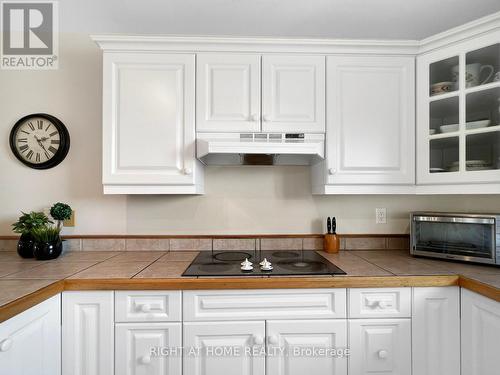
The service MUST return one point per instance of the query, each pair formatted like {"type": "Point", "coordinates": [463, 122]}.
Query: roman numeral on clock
{"type": "Point", "coordinates": [40, 124]}
{"type": "Point", "coordinates": [52, 149]}
{"type": "Point", "coordinates": [30, 154]}
{"type": "Point", "coordinates": [32, 127]}
{"type": "Point", "coordinates": [22, 140]}
{"type": "Point", "coordinates": [52, 134]}
{"type": "Point", "coordinates": [23, 148]}
{"type": "Point", "coordinates": [38, 157]}
{"type": "Point", "coordinates": [55, 141]}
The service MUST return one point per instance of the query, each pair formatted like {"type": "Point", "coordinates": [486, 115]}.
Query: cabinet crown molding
{"type": "Point", "coordinates": [179, 43]}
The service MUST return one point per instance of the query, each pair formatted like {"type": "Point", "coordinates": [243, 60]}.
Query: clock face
{"type": "Point", "coordinates": [40, 141]}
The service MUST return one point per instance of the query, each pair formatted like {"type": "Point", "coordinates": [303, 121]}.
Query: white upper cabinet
{"type": "Point", "coordinates": [227, 92]}
{"type": "Point", "coordinates": [148, 124]}
{"type": "Point", "coordinates": [293, 94]}
{"type": "Point", "coordinates": [458, 129]}
{"type": "Point", "coordinates": [371, 125]}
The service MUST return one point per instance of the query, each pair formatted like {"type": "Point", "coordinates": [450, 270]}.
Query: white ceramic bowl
{"type": "Point", "coordinates": [449, 128]}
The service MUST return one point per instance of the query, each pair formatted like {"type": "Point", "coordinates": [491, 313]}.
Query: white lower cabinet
{"type": "Point", "coordinates": [87, 338]}
{"type": "Point", "coordinates": [480, 328]}
{"type": "Point", "coordinates": [290, 344]}
{"type": "Point", "coordinates": [215, 348]}
{"type": "Point", "coordinates": [148, 349]}
{"type": "Point", "coordinates": [380, 346]}
{"type": "Point", "coordinates": [436, 331]}
{"type": "Point", "coordinates": [30, 343]}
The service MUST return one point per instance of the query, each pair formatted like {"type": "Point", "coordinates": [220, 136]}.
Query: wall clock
{"type": "Point", "coordinates": [40, 141]}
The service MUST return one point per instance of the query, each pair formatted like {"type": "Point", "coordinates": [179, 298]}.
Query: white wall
{"type": "Point", "coordinates": [238, 200]}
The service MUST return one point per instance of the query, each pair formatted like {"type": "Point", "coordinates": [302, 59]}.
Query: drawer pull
{"type": "Point", "coordinates": [273, 340]}
{"type": "Point", "coordinates": [5, 345]}
{"type": "Point", "coordinates": [145, 359]}
{"type": "Point", "coordinates": [146, 307]}
{"type": "Point", "coordinates": [258, 340]}
{"type": "Point", "coordinates": [382, 354]}
{"type": "Point", "coordinates": [376, 303]}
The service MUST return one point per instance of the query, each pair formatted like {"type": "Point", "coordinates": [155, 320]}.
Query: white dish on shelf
{"type": "Point", "coordinates": [477, 124]}
{"type": "Point", "coordinates": [449, 128]}
{"type": "Point", "coordinates": [432, 131]}
{"type": "Point", "coordinates": [436, 170]}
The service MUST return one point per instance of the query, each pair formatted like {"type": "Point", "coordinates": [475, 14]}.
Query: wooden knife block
{"type": "Point", "coordinates": [331, 243]}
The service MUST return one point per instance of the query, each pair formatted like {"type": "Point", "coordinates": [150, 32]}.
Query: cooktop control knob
{"type": "Point", "coordinates": [246, 265]}
{"type": "Point", "coordinates": [265, 265]}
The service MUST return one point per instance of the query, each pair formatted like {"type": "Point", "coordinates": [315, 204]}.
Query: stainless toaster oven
{"type": "Point", "coordinates": [466, 237]}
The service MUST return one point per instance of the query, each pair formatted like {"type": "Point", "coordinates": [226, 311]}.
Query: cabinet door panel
{"type": "Point", "coordinates": [293, 94]}
{"type": "Point", "coordinates": [211, 337]}
{"type": "Point", "coordinates": [134, 342]}
{"type": "Point", "coordinates": [148, 119]}
{"type": "Point", "coordinates": [480, 332]}
{"type": "Point", "coordinates": [291, 340]}
{"type": "Point", "coordinates": [227, 93]}
{"type": "Point", "coordinates": [371, 124]}
{"type": "Point", "coordinates": [436, 331]}
{"type": "Point", "coordinates": [380, 346]}
{"type": "Point", "coordinates": [88, 339]}
{"type": "Point", "coordinates": [31, 341]}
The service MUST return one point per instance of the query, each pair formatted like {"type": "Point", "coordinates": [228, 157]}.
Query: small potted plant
{"type": "Point", "coordinates": [25, 225]}
{"type": "Point", "coordinates": [48, 243]}
{"type": "Point", "coordinates": [60, 212]}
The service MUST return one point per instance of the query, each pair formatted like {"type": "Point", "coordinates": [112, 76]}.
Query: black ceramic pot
{"type": "Point", "coordinates": [47, 250]}
{"type": "Point", "coordinates": [25, 246]}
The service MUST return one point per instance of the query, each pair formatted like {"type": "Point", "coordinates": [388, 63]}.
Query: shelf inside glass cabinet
{"type": "Point", "coordinates": [444, 155]}
{"type": "Point", "coordinates": [444, 115]}
{"type": "Point", "coordinates": [482, 66]}
{"type": "Point", "coordinates": [443, 76]}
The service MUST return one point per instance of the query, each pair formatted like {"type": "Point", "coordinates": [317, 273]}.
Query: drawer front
{"type": "Point", "coordinates": [148, 306]}
{"type": "Point", "coordinates": [380, 346]}
{"type": "Point", "coordinates": [134, 354]}
{"type": "Point", "coordinates": [264, 304]}
{"type": "Point", "coordinates": [380, 303]}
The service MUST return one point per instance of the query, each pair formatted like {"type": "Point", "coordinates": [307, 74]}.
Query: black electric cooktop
{"type": "Point", "coordinates": [284, 262]}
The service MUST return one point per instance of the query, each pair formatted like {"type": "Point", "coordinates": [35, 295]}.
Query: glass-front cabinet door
{"type": "Point", "coordinates": [459, 113]}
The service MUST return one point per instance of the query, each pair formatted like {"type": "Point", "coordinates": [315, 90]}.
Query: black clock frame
{"type": "Point", "coordinates": [61, 153]}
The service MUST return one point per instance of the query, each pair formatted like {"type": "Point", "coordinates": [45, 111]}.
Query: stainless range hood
{"type": "Point", "coordinates": [260, 148]}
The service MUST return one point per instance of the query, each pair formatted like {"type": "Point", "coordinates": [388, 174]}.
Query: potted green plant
{"type": "Point", "coordinates": [60, 212]}
{"type": "Point", "coordinates": [25, 225]}
{"type": "Point", "coordinates": [48, 243]}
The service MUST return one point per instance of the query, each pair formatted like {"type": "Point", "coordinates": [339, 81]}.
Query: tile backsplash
{"type": "Point", "coordinates": [206, 243]}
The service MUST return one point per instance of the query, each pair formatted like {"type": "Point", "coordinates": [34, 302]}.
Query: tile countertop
{"type": "Point", "coordinates": [26, 282]}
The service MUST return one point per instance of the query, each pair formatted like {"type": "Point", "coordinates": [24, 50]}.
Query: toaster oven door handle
{"type": "Point", "coordinates": [452, 219]}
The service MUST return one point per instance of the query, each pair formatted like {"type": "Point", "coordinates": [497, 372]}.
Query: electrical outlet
{"type": "Point", "coordinates": [381, 215]}
{"type": "Point", "coordinates": [71, 221]}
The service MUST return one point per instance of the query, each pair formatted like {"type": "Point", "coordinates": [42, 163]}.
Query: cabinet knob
{"type": "Point", "coordinates": [5, 345]}
{"type": "Point", "coordinates": [145, 359]}
{"type": "Point", "coordinates": [258, 340]}
{"type": "Point", "coordinates": [373, 304]}
{"type": "Point", "coordinates": [331, 171]}
{"type": "Point", "coordinates": [145, 307]}
{"type": "Point", "coordinates": [187, 171]}
{"type": "Point", "coordinates": [382, 354]}
{"type": "Point", "coordinates": [253, 118]}
{"type": "Point", "coordinates": [382, 304]}
{"type": "Point", "coordinates": [273, 340]}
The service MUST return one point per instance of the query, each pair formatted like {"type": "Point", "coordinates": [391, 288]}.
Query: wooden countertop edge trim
{"type": "Point", "coordinates": [19, 305]}
{"type": "Point", "coordinates": [480, 288]}
{"type": "Point", "coordinates": [261, 283]}
{"type": "Point", "coordinates": [214, 236]}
